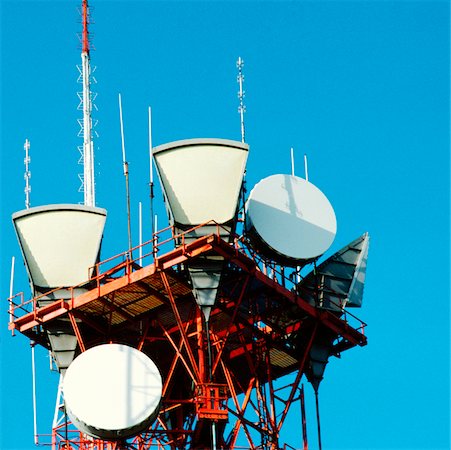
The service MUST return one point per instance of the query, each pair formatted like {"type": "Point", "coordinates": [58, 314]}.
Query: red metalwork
{"type": "Point", "coordinates": [260, 330]}
{"type": "Point", "coordinates": [85, 33]}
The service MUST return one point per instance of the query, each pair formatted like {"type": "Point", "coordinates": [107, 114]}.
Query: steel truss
{"type": "Point", "coordinates": [219, 379]}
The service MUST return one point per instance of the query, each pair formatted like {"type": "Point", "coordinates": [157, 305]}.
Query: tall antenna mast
{"type": "Point", "coordinates": [242, 107]}
{"type": "Point", "coordinates": [151, 185]}
{"type": "Point", "coordinates": [86, 125]}
{"type": "Point", "coordinates": [127, 186]}
{"type": "Point", "coordinates": [27, 174]}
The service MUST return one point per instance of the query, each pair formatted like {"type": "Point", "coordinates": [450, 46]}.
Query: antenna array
{"type": "Point", "coordinates": [241, 107]}
{"type": "Point", "coordinates": [27, 174]}
{"type": "Point", "coordinates": [86, 104]}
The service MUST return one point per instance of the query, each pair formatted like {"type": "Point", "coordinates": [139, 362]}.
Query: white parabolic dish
{"type": "Point", "coordinates": [112, 391]}
{"type": "Point", "coordinates": [289, 219]}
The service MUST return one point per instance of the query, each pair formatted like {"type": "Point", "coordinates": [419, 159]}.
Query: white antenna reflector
{"type": "Point", "coordinates": [289, 219]}
{"type": "Point", "coordinates": [342, 278]}
{"type": "Point", "coordinates": [60, 243]}
{"type": "Point", "coordinates": [201, 179]}
{"type": "Point", "coordinates": [112, 391]}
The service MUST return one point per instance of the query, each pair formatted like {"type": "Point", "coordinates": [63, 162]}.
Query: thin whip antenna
{"type": "Point", "coordinates": [86, 124]}
{"type": "Point", "coordinates": [304, 419]}
{"type": "Point", "coordinates": [33, 378]}
{"type": "Point", "coordinates": [241, 111]}
{"type": "Point", "coordinates": [151, 193]}
{"type": "Point", "coordinates": [27, 174]}
{"type": "Point", "coordinates": [306, 167]}
{"type": "Point", "coordinates": [11, 291]}
{"type": "Point", "coordinates": [241, 107]}
{"type": "Point", "coordinates": [318, 420]}
{"type": "Point", "coordinates": [140, 213]}
{"type": "Point", "coordinates": [292, 161]}
{"type": "Point", "coordinates": [125, 166]}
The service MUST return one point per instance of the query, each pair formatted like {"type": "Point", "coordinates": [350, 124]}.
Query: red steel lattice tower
{"type": "Point", "coordinates": [221, 310]}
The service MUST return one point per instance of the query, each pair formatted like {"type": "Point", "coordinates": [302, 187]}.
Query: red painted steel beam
{"type": "Point", "coordinates": [327, 318]}
{"type": "Point", "coordinates": [81, 344]}
{"type": "Point", "coordinates": [231, 323]}
{"type": "Point", "coordinates": [85, 319]}
{"type": "Point", "coordinates": [181, 254]}
{"type": "Point", "coordinates": [59, 308]}
{"type": "Point", "coordinates": [117, 309]}
{"type": "Point", "coordinates": [181, 328]}
{"type": "Point", "coordinates": [298, 376]}
{"type": "Point", "coordinates": [240, 409]}
{"type": "Point", "coordinates": [194, 376]}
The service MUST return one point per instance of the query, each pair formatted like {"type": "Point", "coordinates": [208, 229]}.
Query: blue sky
{"type": "Point", "coordinates": [362, 87]}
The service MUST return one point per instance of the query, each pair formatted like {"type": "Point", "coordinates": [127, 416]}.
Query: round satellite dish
{"type": "Point", "coordinates": [289, 219]}
{"type": "Point", "coordinates": [112, 391]}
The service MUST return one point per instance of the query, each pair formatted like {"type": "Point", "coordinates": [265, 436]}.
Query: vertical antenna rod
{"type": "Point", "coordinates": [27, 174]}
{"type": "Point", "coordinates": [304, 420]}
{"type": "Point", "coordinates": [318, 420]}
{"type": "Point", "coordinates": [11, 291]}
{"type": "Point", "coordinates": [306, 167]}
{"type": "Point", "coordinates": [33, 379]}
{"type": "Point", "coordinates": [151, 182]}
{"type": "Point", "coordinates": [88, 147]}
{"type": "Point", "coordinates": [241, 107]}
{"type": "Point", "coordinates": [140, 220]}
{"type": "Point", "coordinates": [125, 165]}
{"type": "Point", "coordinates": [241, 111]}
{"type": "Point", "coordinates": [292, 161]}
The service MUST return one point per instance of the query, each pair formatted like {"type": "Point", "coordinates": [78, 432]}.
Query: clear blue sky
{"type": "Point", "coordinates": [362, 87]}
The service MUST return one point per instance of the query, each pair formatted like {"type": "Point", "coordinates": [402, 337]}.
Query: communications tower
{"type": "Point", "coordinates": [202, 342]}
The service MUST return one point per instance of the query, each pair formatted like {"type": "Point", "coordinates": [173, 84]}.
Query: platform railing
{"type": "Point", "coordinates": [125, 263]}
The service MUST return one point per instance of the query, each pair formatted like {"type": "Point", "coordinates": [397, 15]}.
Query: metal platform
{"type": "Point", "coordinates": [259, 330]}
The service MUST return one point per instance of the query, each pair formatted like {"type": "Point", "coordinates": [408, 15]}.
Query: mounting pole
{"type": "Point", "coordinates": [33, 378]}
{"type": "Point", "coordinates": [241, 111]}
{"type": "Point", "coordinates": [151, 193]}
{"type": "Point", "coordinates": [306, 167]}
{"type": "Point", "coordinates": [127, 188]}
{"type": "Point", "coordinates": [155, 237]}
{"type": "Point", "coordinates": [304, 421]}
{"type": "Point", "coordinates": [140, 220]}
{"type": "Point", "coordinates": [241, 107]}
{"type": "Point", "coordinates": [27, 174]}
{"type": "Point", "coordinates": [292, 161]}
{"type": "Point", "coordinates": [11, 291]}
{"type": "Point", "coordinates": [318, 420]}
{"type": "Point", "coordinates": [88, 146]}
